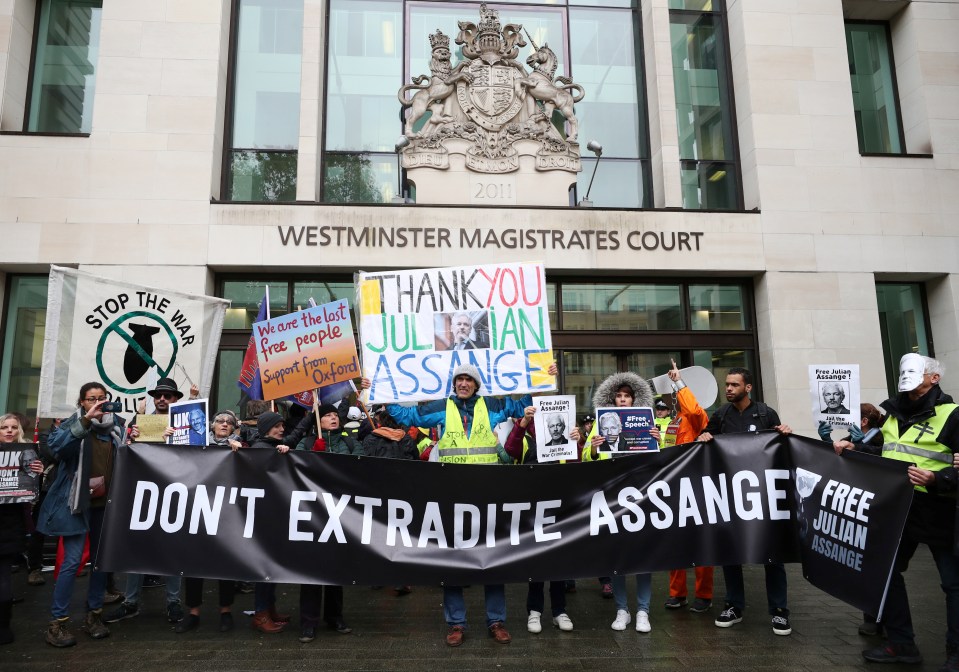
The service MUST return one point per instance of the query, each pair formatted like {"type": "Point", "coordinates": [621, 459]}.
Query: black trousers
{"type": "Point", "coordinates": [310, 598]}
{"type": "Point", "coordinates": [194, 592]}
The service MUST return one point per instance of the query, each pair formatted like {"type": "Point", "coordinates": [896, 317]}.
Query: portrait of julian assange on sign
{"type": "Point", "coordinates": [626, 430]}
{"type": "Point", "coordinates": [834, 391]}
{"type": "Point", "coordinates": [417, 326]}
{"type": "Point", "coordinates": [554, 418]}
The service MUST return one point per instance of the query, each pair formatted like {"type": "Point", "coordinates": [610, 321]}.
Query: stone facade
{"type": "Point", "coordinates": [139, 198]}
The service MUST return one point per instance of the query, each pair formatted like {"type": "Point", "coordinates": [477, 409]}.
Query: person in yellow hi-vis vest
{"type": "Point", "coordinates": [921, 428]}
{"type": "Point", "coordinates": [467, 421]}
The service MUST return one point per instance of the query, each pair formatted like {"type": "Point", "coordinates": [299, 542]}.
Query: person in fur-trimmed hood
{"type": "Point", "coordinates": [623, 389]}
{"type": "Point", "coordinates": [615, 391]}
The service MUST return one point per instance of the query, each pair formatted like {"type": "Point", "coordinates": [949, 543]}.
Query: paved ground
{"type": "Point", "coordinates": [407, 633]}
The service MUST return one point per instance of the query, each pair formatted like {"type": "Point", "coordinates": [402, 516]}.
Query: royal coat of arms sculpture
{"type": "Point", "coordinates": [488, 104]}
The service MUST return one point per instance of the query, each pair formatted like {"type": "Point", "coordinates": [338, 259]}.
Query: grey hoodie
{"type": "Point", "coordinates": [605, 394]}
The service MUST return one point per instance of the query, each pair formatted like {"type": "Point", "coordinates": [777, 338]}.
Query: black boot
{"type": "Point", "coordinates": [6, 634]}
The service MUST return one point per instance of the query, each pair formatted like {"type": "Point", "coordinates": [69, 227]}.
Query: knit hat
{"type": "Point", "coordinates": [267, 421]}
{"type": "Point", "coordinates": [471, 371]}
{"type": "Point", "coordinates": [326, 408]}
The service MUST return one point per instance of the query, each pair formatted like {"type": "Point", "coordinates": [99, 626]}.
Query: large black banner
{"type": "Point", "coordinates": [336, 519]}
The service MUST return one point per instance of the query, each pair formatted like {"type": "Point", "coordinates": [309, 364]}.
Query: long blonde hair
{"type": "Point", "coordinates": [13, 416]}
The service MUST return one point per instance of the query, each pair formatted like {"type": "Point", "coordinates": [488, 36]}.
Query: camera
{"type": "Point", "coordinates": [112, 407]}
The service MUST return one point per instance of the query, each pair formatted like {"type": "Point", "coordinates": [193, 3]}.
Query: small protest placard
{"type": "Point", "coordinates": [555, 417]}
{"type": "Point", "coordinates": [626, 430]}
{"type": "Point", "coordinates": [17, 484]}
{"type": "Point", "coordinates": [834, 389]}
{"type": "Point", "coordinates": [188, 420]}
{"type": "Point", "coordinates": [151, 427]}
{"type": "Point", "coordinates": [305, 350]}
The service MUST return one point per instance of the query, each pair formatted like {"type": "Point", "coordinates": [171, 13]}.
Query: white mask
{"type": "Point", "coordinates": [911, 368]}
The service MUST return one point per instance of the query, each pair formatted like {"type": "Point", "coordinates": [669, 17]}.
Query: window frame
{"type": "Point", "coordinates": [894, 83]}
{"type": "Point", "coordinates": [736, 159]}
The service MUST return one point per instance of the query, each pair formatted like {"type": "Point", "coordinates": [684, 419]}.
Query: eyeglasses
{"type": "Point", "coordinates": [223, 421]}
{"type": "Point", "coordinates": [164, 395]}
{"type": "Point", "coordinates": [93, 400]}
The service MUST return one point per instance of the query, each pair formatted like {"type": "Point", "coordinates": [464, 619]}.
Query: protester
{"type": "Point", "coordinates": [84, 446]}
{"type": "Point", "coordinates": [165, 393]}
{"type": "Point", "coordinates": [467, 420]}
{"type": "Point", "coordinates": [331, 439]}
{"type": "Point", "coordinates": [741, 414]}
{"type": "Point", "coordinates": [222, 433]}
{"type": "Point", "coordinates": [271, 432]}
{"type": "Point", "coordinates": [623, 390]}
{"type": "Point", "coordinates": [869, 431]}
{"type": "Point", "coordinates": [689, 422]}
{"type": "Point", "coordinates": [13, 532]}
{"type": "Point", "coordinates": [520, 445]}
{"type": "Point", "coordinates": [921, 428]}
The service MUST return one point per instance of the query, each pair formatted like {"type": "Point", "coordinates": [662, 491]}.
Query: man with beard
{"type": "Point", "coordinates": [163, 395]}
{"type": "Point", "coordinates": [461, 328]}
{"type": "Point", "coordinates": [832, 397]}
{"type": "Point", "coordinates": [741, 414]}
{"type": "Point", "coordinates": [921, 428]}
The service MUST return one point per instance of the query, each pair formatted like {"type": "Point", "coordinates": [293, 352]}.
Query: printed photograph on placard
{"type": "Point", "coordinates": [417, 326]}
{"type": "Point", "coordinates": [189, 422]}
{"type": "Point", "coordinates": [17, 483]}
{"type": "Point", "coordinates": [834, 391]}
{"type": "Point", "coordinates": [554, 418]}
{"type": "Point", "coordinates": [626, 430]}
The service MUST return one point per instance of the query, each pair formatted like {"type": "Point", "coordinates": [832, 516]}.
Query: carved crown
{"type": "Point", "coordinates": [489, 37]}
{"type": "Point", "coordinates": [439, 41]}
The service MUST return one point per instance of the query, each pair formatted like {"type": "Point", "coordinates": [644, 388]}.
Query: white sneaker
{"type": "Point", "coordinates": [622, 620]}
{"type": "Point", "coordinates": [563, 623]}
{"type": "Point", "coordinates": [642, 622]}
{"type": "Point", "coordinates": [533, 623]}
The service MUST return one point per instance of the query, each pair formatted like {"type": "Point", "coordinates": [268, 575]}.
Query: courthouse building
{"type": "Point", "coordinates": [778, 183]}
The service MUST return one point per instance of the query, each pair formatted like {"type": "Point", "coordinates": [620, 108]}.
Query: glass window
{"type": "Point", "coordinates": [24, 326]}
{"type": "Point", "coordinates": [226, 393]}
{"type": "Point", "coordinates": [618, 184]}
{"type": "Point", "coordinates": [716, 307]}
{"type": "Point", "coordinates": [719, 362]}
{"type": "Point", "coordinates": [266, 101]}
{"type": "Point", "coordinates": [651, 364]}
{"type": "Point", "coordinates": [703, 110]}
{"type": "Point", "coordinates": [582, 372]}
{"type": "Point", "coordinates": [262, 176]}
{"type": "Point", "coordinates": [359, 178]}
{"type": "Point", "coordinates": [902, 322]}
{"type": "Point", "coordinates": [622, 307]}
{"type": "Point", "coordinates": [872, 74]}
{"type": "Point", "coordinates": [64, 74]}
{"type": "Point", "coordinates": [365, 67]}
{"type": "Point", "coordinates": [246, 297]}
{"type": "Point", "coordinates": [604, 46]}
{"type": "Point", "coordinates": [321, 292]}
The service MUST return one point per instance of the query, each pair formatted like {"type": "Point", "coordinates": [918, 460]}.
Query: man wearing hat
{"type": "Point", "coordinates": [662, 415]}
{"type": "Point", "coordinates": [466, 421]}
{"type": "Point", "coordinates": [163, 394]}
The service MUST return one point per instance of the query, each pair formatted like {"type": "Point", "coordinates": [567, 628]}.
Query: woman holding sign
{"type": "Point", "coordinates": [624, 390]}
{"type": "Point", "coordinates": [13, 533]}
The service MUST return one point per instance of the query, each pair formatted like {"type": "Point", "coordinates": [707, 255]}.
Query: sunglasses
{"type": "Point", "coordinates": [165, 395]}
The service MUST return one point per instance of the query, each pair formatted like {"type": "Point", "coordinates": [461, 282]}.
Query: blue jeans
{"type": "Point", "coordinates": [644, 592]}
{"type": "Point", "coordinates": [454, 606]}
{"type": "Point", "coordinates": [896, 615]}
{"type": "Point", "coordinates": [135, 585]}
{"type": "Point", "coordinates": [775, 587]}
{"type": "Point", "coordinates": [72, 554]}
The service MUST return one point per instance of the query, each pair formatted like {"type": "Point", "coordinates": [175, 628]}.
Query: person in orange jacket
{"type": "Point", "coordinates": [684, 428]}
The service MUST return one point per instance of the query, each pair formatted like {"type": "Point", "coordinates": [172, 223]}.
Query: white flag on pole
{"type": "Point", "coordinates": [114, 332]}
